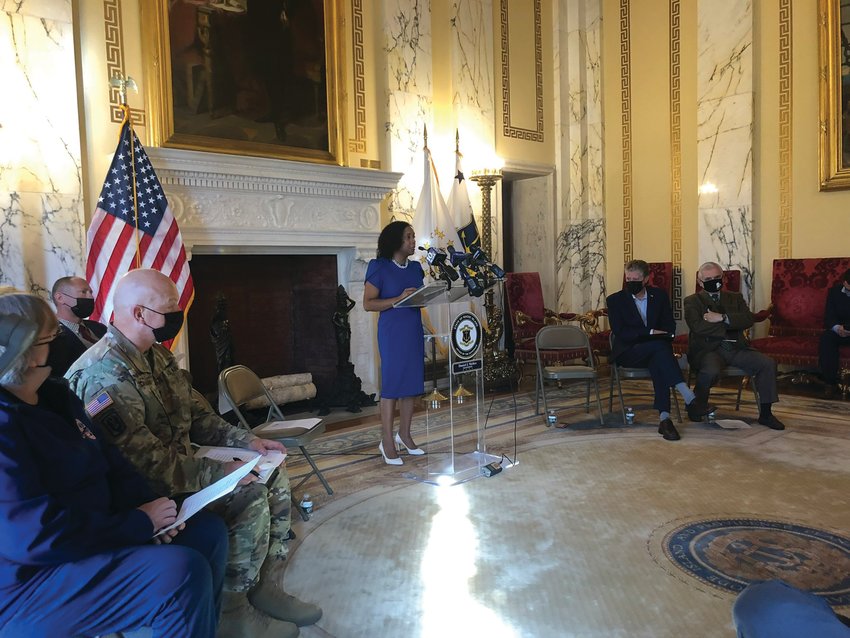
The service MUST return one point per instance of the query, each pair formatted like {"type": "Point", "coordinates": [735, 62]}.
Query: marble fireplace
{"type": "Point", "coordinates": [232, 205]}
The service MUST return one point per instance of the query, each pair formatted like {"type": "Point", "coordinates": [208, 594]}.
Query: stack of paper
{"type": "Point", "coordinates": [276, 426]}
{"type": "Point", "coordinates": [265, 464]}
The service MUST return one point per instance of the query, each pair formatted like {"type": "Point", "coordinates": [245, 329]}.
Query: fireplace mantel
{"type": "Point", "coordinates": [254, 205]}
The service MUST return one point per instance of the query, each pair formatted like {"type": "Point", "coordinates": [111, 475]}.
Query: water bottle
{"type": "Point", "coordinates": [307, 503]}
{"type": "Point", "coordinates": [630, 416]}
{"type": "Point", "coordinates": [551, 418]}
{"type": "Point", "coordinates": [712, 417]}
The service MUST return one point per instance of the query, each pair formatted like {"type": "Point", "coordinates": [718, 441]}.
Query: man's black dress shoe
{"type": "Point", "coordinates": [830, 391]}
{"type": "Point", "coordinates": [772, 422]}
{"type": "Point", "coordinates": [697, 410]}
{"type": "Point", "coordinates": [668, 430]}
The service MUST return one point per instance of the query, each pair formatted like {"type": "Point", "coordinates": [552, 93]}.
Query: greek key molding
{"type": "Point", "coordinates": [785, 129]}
{"type": "Point", "coordinates": [114, 30]}
{"type": "Point", "coordinates": [508, 129]}
{"type": "Point", "coordinates": [626, 129]}
{"type": "Point", "coordinates": [357, 144]}
{"type": "Point", "coordinates": [676, 156]}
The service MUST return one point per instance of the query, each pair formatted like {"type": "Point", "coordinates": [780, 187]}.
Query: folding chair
{"type": "Point", "coordinates": [239, 385]}
{"type": "Point", "coordinates": [565, 338]}
{"type": "Point", "coordinates": [731, 371]}
{"type": "Point", "coordinates": [618, 373]}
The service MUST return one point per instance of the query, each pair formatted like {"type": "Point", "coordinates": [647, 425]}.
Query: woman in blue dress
{"type": "Point", "coordinates": [390, 278]}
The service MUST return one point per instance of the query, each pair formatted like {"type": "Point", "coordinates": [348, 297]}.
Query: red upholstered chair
{"type": "Point", "coordinates": [660, 276]}
{"type": "Point", "coordinates": [797, 303]}
{"type": "Point", "coordinates": [524, 294]}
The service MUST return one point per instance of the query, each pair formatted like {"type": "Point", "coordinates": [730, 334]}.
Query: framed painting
{"type": "Point", "coordinates": [834, 62]}
{"type": "Point", "coordinates": [248, 77]}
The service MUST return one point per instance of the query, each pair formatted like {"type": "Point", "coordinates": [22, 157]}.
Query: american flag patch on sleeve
{"type": "Point", "coordinates": [98, 404]}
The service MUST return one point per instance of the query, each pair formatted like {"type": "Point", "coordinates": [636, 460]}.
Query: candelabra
{"type": "Point", "coordinates": [498, 369]}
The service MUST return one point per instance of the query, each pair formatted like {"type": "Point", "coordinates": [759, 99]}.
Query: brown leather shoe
{"type": "Point", "coordinates": [668, 430]}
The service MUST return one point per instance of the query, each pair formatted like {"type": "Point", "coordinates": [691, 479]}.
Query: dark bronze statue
{"type": "Point", "coordinates": [344, 304]}
{"type": "Point", "coordinates": [220, 334]}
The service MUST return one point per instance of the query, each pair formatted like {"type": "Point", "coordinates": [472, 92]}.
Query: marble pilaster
{"type": "Point", "coordinates": [725, 135]}
{"type": "Point", "coordinates": [42, 234]}
{"type": "Point", "coordinates": [533, 248]}
{"type": "Point", "coordinates": [407, 29]}
{"type": "Point", "coordinates": [579, 161]}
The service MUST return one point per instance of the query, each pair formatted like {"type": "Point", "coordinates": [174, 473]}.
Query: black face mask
{"type": "Point", "coordinates": [634, 287]}
{"type": "Point", "coordinates": [83, 308]}
{"type": "Point", "coordinates": [713, 285]}
{"type": "Point", "coordinates": [171, 327]}
{"type": "Point", "coordinates": [53, 357]}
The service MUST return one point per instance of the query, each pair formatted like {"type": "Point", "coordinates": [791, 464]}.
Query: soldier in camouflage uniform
{"type": "Point", "coordinates": [154, 415]}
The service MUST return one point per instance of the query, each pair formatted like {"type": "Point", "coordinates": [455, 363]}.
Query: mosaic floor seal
{"type": "Point", "coordinates": [730, 553]}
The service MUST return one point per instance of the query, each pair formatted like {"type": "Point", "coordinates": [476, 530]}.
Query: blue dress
{"type": "Point", "coordinates": [400, 336]}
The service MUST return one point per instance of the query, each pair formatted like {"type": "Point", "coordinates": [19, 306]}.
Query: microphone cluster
{"type": "Point", "coordinates": [474, 268]}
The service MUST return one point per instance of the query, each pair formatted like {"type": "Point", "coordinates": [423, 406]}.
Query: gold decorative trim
{"type": "Point", "coordinates": [785, 126]}
{"type": "Point", "coordinates": [626, 127]}
{"type": "Point", "coordinates": [508, 130]}
{"type": "Point", "coordinates": [676, 156]}
{"type": "Point", "coordinates": [833, 170]}
{"type": "Point", "coordinates": [114, 31]}
{"type": "Point", "coordinates": [357, 144]}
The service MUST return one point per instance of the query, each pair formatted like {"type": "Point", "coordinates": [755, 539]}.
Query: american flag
{"type": "Point", "coordinates": [98, 404]}
{"type": "Point", "coordinates": [123, 237]}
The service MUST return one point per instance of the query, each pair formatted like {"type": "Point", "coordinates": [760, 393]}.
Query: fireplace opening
{"type": "Point", "coordinates": [279, 308]}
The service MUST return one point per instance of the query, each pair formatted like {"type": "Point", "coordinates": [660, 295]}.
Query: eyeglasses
{"type": "Point", "coordinates": [47, 339]}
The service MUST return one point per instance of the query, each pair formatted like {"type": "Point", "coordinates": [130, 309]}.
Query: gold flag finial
{"type": "Point", "coordinates": [425, 134]}
{"type": "Point", "coordinates": [457, 141]}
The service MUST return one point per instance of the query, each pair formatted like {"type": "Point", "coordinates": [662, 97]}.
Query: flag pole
{"type": "Point", "coordinates": [122, 83]}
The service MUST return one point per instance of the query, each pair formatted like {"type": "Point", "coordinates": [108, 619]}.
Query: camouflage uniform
{"type": "Point", "coordinates": [153, 417]}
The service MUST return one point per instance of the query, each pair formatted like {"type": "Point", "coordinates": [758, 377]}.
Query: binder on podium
{"type": "Point", "coordinates": [455, 440]}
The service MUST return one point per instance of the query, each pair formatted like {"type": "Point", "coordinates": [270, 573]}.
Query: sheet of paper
{"type": "Point", "coordinates": [199, 500]}
{"type": "Point", "coordinates": [265, 466]}
{"type": "Point", "coordinates": [732, 424]}
{"type": "Point", "coordinates": [273, 426]}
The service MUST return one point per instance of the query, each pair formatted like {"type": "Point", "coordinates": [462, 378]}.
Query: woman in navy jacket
{"type": "Point", "coordinates": [76, 521]}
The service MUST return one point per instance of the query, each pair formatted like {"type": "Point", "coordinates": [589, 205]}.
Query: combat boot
{"type": "Point", "coordinates": [270, 598]}
{"type": "Point", "coordinates": [240, 620]}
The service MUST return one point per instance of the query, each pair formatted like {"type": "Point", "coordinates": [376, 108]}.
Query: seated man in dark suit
{"type": "Point", "coordinates": [643, 327]}
{"type": "Point", "coordinates": [74, 301]}
{"type": "Point", "coordinates": [717, 320]}
{"type": "Point", "coordinates": [836, 320]}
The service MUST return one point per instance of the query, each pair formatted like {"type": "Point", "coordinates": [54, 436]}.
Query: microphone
{"type": "Point", "coordinates": [480, 258]}
{"type": "Point", "coordinates": [437, 258]}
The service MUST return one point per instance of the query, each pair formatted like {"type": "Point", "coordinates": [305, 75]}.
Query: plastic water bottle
{"type": "Point", "coordinates": [630, 416]}
{"type": "Point", "coordinates": [712, 417]}
{"type": "Point", "coordinates": [551, 418]}
{"type": "Point", "coordinates": [306, 503]}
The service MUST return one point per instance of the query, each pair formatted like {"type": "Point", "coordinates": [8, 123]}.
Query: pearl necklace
{"type": "Point", "coordinates": [398, 265]}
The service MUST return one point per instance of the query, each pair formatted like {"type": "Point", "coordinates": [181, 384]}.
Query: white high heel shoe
{"type": "Point", "coordinates": [389, 461]}
{"type": "Point", "coordinates": [414, 451]}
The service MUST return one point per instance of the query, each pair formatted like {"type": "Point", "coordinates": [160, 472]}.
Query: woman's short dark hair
{"type": "Point", "coordinates": [391, 239]}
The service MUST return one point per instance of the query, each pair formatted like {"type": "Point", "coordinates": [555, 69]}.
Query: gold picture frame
{"type": "Point", "coordinates": [834, 141]}
{"type": "Point", "coordinates": [181, 124]}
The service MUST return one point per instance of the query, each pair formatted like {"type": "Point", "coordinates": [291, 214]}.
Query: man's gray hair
{"type": "Point", "coordinates": [710, 264]}
{"type": "Point", "coordinates": [638, 265]}
{"type": "Point", "coordinates": [30, 307]}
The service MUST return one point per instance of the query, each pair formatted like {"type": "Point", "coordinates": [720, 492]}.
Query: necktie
{"type": "Point", "coordinates": [87, 334]}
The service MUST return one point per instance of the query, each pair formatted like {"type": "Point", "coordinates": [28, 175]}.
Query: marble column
{"type": "Point", "coordinates": [725, 135]}
{"type": "Point", "coordinates": [42, 234]}
{"type": "Point", "coordinates": [407, 29]}
{"type": "Point", "coordinates": [580, 249]}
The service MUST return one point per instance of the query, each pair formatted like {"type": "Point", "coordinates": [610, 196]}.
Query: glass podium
{"type": "Point", "coordinates": [455, 441]}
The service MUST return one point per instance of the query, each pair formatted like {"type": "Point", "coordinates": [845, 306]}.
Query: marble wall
{"type": "Point", "coordinates": [42, 235]}
{"type": "Point", "coordinates": [725, 134]}
{"type": "Point", "coordinates": [533, 228]}
{"type": "Point", "coordinates": [579, 159]}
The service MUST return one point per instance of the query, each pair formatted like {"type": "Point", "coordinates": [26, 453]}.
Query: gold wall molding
{"type": "Point", "coordinates": [785, 129]}
{"type": "Point", "coordinates": [508, 129]}
{"type": "Point", "coordinates": [626, 129]}
{"type": "Point", "coordinates": [676, 155]}
{"type": "Point", "coordinates": [114, 31]}
{"type": "Point", "coordinates": [357, 144]}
